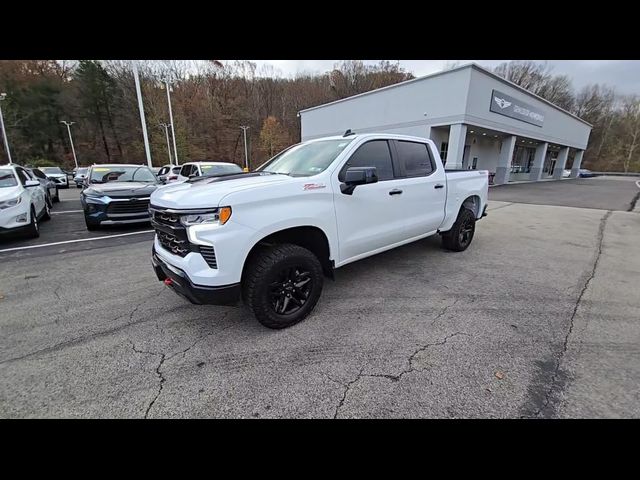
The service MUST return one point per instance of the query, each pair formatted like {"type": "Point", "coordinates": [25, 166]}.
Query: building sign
{"type": "Point", "coordinates": [510, 107]}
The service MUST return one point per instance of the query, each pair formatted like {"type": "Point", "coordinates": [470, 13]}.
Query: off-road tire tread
{"type": "Point", "coordinates": [259, 265]}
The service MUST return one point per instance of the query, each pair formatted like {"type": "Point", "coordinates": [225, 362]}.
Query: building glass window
{"type": "Point", "coordinates": [444, 148]}
{"type": "Point", "coordinates": [522, 159]}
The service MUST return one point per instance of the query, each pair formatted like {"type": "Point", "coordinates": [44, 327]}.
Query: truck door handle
{"type": "Point", "coordinates": [395, 191]}
{"type": "Point", "coordinates": [438, 185]}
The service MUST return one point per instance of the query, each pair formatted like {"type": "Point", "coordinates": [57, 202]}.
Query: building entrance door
{"type": "Point", "coordinates": [549, 163]}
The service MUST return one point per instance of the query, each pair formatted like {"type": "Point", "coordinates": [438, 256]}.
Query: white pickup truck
{"type": "Point", "coordinates": [271, 235]}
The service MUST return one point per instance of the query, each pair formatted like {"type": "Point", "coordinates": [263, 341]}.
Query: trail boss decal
{"type": "Point", "coordinates": [313, 186]}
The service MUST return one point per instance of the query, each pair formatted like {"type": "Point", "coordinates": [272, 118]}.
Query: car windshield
{"type": "Point", "coordinates": [306, 159]}
{"type": "Point", "coordinates": [122, 174]}
{"type": "Point", "coordinates": [51, 170]}
{"type": "Point", "coordinates": [81, 171]}
{"type": "Point", "coordinates": [220, 169]}
{"type": "Point", "coordinates": [176, 170]}
{"type": "Point", "coordinates": [7, 178]}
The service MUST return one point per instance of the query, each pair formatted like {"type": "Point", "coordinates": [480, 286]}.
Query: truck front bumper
{"type": "Point", "coordinates": [180, 282]}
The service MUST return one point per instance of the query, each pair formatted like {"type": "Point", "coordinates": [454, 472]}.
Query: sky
{"type": "Point", "coordinates": [623, 75]}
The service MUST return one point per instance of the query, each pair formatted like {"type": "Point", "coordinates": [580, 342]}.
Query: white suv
{"type": "Point", "coordinates": [203, 169]}
{"type": "Point", "coordinates": [22, 201]}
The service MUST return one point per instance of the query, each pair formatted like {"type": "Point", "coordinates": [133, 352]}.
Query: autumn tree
{"type": "Point", "coordinates": [628, 139]}
{"type": "Point", "coordinates": [273, 138]}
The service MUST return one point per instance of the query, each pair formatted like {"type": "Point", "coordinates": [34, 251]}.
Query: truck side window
{"type": "Point", "coordinates": [186, 170]}
{"type": "Point", "coordinates": [375, 153]}
{"type": "Point", "coordinates": [415, 157]}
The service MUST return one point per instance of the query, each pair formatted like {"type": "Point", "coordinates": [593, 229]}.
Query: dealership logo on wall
{"type": "Point", "coordinates": [502, 103]}
{"type": "Point", "coordinates": [511, 107]}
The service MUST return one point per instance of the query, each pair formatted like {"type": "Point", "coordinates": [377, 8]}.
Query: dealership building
{"type": "Point", "coordinates": [477, 119]}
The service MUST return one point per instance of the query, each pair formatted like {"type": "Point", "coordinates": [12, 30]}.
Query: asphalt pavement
{"type": "Point", "coordinates": [538, 318]}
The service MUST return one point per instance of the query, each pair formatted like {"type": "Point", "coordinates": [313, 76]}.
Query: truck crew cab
{"type": "Point", "coordinates": [271, 235]}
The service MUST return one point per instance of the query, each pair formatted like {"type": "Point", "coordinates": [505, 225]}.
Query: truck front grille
{"type": "Point", "coordinates": [172, 235]}
{"type": "Point", "coordinates": [174, 244]}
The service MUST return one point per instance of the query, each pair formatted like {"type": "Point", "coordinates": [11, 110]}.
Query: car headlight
{"type": "Point", "coordinates": [97, 199]}
{"type": "Point", "coordinates": [10, 203]}
{"type": "Point", "coordinates": [216, 218]}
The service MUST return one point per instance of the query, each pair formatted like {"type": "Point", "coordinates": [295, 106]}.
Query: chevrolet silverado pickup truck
{"type": "Point", "coordinates": [269, 237]}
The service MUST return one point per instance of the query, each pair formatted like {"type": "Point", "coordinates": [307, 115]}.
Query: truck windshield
{"type": "Point", "coordinates": [122, 174]}
{"type": "Point", "coordinates": [306, 159]}
{"type": "Point", "coordinates": [52, 170]}
{"type": "Point", "coordinates": [220, 169]}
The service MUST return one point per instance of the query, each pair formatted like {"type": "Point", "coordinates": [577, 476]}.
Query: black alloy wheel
{"type": "Point", "coordinates": [291, 290]}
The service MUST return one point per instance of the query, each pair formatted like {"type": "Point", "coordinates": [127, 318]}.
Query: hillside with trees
{"type": "Point", "coordinates": [211, 100]}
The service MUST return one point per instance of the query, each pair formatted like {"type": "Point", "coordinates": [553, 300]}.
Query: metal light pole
{"type": "Point", "coordinates": [167, 85]}
{"type": "Point", "coordinates": [246, 155]}
{"type": "Point", "coordinates": [4, 132]}
{"type": "Point", "coordinates": [166, 132]}
{"type": "Point", "coordinates": [141, 108]}
{"type": "Point", "coordinates": [68, 124]}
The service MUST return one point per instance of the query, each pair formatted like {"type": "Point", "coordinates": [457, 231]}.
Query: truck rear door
{"type": "Point", "coordinates": [424, 188]}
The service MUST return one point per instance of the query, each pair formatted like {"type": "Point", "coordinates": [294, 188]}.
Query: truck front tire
{"type": "Point", "coordinates": [461, 234]}
{"type": "Point", "coordinates": [282, 284]}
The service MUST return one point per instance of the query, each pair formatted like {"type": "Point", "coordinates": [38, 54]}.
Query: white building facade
{"type": "Point", "coordinates": [477, 119]}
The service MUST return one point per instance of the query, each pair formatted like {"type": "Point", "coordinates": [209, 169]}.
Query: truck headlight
{"type": "Point", "coordinates": [10, 203]}
{"type": "Point", "coordinates": [216, 218]}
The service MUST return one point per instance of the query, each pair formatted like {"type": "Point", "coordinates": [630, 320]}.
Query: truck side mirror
{"type": "Point", "coordinates": [355, 176]}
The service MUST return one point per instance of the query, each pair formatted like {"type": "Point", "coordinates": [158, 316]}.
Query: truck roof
{"type": "Point", "coordinates": [353, 136]}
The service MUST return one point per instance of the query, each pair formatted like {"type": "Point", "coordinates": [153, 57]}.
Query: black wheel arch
{"type": "Point", "coordinates": [310, 237]}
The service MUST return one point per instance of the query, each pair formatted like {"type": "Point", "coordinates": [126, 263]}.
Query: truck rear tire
{"type": "Point", "coordinates": [461, 234]}
{"type": "Point", "coordinates": [282, 284]}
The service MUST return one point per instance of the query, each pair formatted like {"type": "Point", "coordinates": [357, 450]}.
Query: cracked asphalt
{"type": "Point", "coordinates": [539, 318]}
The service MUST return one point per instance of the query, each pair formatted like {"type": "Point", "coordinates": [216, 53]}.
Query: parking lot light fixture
{"type": "Point", "coordinates": [68, 124]}
{"type": "Point", "coordinates": [166, 132]}
{"type": "Point", "coordinates": [4, 131]}
{"type": "Point", "coordinates": [136, 79]}
{"type": "Point", "coordinates": [246, 154]}
{"type": "Point", "coordinates": [167, 85]}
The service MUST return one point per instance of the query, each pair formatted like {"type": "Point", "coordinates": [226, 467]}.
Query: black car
{"type": "Point", "coordinates": [117, 195]}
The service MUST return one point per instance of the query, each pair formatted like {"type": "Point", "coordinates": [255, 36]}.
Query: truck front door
{"type": "Point", "coordinates": [373, 216]}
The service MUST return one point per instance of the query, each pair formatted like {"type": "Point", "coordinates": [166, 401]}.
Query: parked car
{"type": "Point", "coordinates": [79, 176]}
{"type": "Point", "coordinates": [268, 236]}
{"type": "Point", "coordinates": [203, 169]}
{"type": "Point", "coordinates": [165, 171]}
{"type": "Point", "coordinates": [22, 202]}
{"type": "Point", "coordinates": [57, 174]}
{"type": "Point", "coordinates": [48, 184]}
{"type": "Point", "coordinates": [584, 173]}
{"type": "Point", "coordinates": [172, 175]}
{"type": "Point", "coordinates": [117, 194]}
{"type": "Point", "coordinates": [566, 173]}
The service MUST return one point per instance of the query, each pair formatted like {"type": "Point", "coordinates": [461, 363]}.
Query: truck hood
{"type": "Point", "coordinates": [208, 193]}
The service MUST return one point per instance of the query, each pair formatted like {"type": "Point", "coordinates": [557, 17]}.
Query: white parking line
{"type": "Point", "coordinates": [73, 241]}
{"type": "Point", "coordinates": [66, 211]}
{"type": "Point", "coordinates": [638, 183]}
